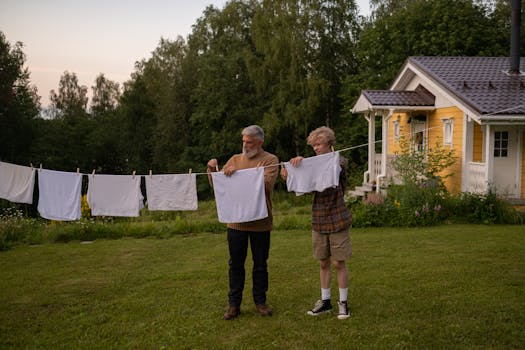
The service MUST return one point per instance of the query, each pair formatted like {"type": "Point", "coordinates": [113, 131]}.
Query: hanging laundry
{"type": "Point", "coordinates": [114, 195]}
{"type": "Point", "coordinates": [314, 174]}
{"type": "Point", "coordinates": [171, 192]}
{"type": "Point", "coordinates": [240, 197]}
{"type": "Point", "coordinates": [16, 183]}
{"type": "Point", "coordinates": [59, 195]}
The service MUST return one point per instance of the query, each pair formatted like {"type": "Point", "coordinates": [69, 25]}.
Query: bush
{"type": "Point", "coordinates": [483, 208]}
{"type": "Point", "coordinates": [426, 205]}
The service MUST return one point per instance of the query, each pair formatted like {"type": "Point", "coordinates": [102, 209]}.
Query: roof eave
{"type": "Point", "coordinates": [502, 119]}
{"type": "Point", "coordinates": [395, 109]}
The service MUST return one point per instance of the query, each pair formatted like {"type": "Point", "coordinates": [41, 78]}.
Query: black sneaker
{"type": "Point", "coordinates": [320, 307]}
{"type": "Point", "coordinates": [343, 310]}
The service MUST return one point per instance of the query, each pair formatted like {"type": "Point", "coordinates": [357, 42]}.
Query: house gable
{"type": "Point", "coordinates": [480, 86]}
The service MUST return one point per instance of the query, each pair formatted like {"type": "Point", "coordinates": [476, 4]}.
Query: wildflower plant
{"type": "Point", "coordinates": [16, 228]}
{"type": "Point", "coordinates": [427, 167]}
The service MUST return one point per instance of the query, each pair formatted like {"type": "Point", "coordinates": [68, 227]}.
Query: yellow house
{"type": "Point", "coordinates": [472, 105]}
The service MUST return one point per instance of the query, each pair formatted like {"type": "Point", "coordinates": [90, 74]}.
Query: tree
{"type": "Point", "coordinates": [397, 30]}
{"type": "Point", "coordinates": [169, 89]}
{"type": "Point", "coordinates": [138, 117]}
{"type": "Point", "coordinates": [66, 135]}
{"type": "Point", "coordinates": [106, 95]}
{"type": "Point", "coordinates": [303, 51]}
{"type": "Point", "coordinates": [105, 141]}
{"type": "Point", "coordinates": [223, 99]}
{"type": "Point", "coordinates": [19, 104]}
{"type": "Point", "coordinates": [71, 99]}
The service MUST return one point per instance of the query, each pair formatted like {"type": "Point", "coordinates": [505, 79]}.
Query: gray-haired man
{"type": "Point", "coordinates": [257, 233]}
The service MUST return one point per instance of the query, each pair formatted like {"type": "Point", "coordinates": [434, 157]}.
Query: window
{"type": "Point", "coordinates": [448, 131]}
{"type": "Point", "coordinates": [396, 130]}
{"type": "Point", "coordinates": [501, 144]}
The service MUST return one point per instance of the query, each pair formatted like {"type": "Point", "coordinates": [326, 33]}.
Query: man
{"type": "Point", "coordinates": [257, 233]}
{"type": "Point", "coordinates": [331, 221]}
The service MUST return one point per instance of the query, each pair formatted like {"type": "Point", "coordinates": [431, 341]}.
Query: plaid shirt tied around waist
{"type": "Point", "coordinates": [329, 211]}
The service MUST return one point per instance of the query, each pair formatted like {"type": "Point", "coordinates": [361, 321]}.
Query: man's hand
{"type": "Point", "coordinates": [228, 170]}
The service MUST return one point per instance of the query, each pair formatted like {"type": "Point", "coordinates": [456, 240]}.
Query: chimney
{"type": "Point", "coordinates": [515, 26]}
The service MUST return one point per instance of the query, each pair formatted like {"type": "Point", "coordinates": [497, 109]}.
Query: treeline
{"type": "Point", "coordinates": [289, 66]}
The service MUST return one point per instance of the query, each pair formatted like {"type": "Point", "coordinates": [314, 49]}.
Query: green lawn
{"type": "Point", "coordinates": [452, 286]}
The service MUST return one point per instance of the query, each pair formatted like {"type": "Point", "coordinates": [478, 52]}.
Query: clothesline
{"type": "Point", "coordinates": [59, 195]}
{"type": "Point", "coordinates": [265, 166]}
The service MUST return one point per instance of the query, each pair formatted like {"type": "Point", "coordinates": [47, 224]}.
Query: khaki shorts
{"type": "Point", "coordinates": [335, 245]}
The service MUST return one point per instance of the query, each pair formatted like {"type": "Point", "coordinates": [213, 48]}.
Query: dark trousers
{"type": "Point", "coordinates": [238, 246]}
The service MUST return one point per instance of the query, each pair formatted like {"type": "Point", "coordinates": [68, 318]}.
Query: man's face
{"type": "Point", "coordinates": [250, 146]}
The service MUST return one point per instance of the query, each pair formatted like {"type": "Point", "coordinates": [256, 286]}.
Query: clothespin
{"type": "Point", "coordinates": [93, 173]}
{"type": "Point", "coordinates": [31, 165]}
{"type": "Point", "coordinates": [78, 171]}
{"type": "Point", "coordinates": [217, 167]}
{"type": "Point", "coordinates": [150, 174]}
{"type": "Point", "coordinates": [133, 174]}
{"type": "Point", "coordinates": [189, 172]}
{"type": "Point", "coordinates": [40, 166]}
{"type": "Point", "coordinates": [258, 165]}
{"type": "Point", "coordinates": [332, 148]}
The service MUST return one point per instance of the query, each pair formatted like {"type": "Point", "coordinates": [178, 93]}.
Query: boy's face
{"type": "Point", "coordinates": [321, 147]}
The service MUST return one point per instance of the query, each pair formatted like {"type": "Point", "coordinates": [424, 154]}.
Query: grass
{"type": "Point", "coordinates": [453, 286]}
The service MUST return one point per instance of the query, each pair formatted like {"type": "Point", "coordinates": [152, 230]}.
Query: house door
{"type": "Point", "coordinates": [418, 135]}
{"type": "Point", "coordinates": [506, 161]}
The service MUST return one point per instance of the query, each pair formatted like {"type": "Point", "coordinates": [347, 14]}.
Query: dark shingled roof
{"type": "Point", "coordinates": [418, 98]}
{"type": "Point", "coordinates": [481, 82]}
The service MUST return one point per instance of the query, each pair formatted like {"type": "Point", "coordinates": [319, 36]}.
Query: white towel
{"type": "Point", "coordinates": [114, 195]}
{"type": "Point", "coordinates": [240, 197]}
{"type": "Point", "coordinates": [16, 183]}
{"type": "Point", "coordinates": [59, 195]}
{"type": "Point", "coordinates": [314, 174]}
{"type": "Point", "coordinates": [171, 192]}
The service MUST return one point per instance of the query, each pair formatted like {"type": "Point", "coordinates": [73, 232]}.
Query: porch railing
{"type": "Point", "coordinates": [475, 177]}
{"type": "Point", "coordinates": [391, 174]}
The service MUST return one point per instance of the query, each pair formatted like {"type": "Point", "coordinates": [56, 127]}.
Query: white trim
{"type": "Point", "coordinates": [489, 154]}
{"type": "Point", "coordinates": [467, 142]}
{"type": "Point", "coordinates": [396, 124]}
{"type": "Point", "coordinates": [448, 140]}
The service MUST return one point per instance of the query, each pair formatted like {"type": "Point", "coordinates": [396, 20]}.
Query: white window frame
{"type": "Point", "coordinates": [396, 130]}
{"type": "Point", "coordinates": [448, 132]}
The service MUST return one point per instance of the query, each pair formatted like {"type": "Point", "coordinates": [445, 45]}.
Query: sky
{"type": "Point", "coordinates": [96, 36]}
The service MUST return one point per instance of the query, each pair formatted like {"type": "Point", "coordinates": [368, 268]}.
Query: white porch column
{"type": "Point", "coordinates": [384, 143]}
{"type": "Point", "coordinates": [468, 146]}
{"type": "Point", "coordinates": [384, 149]}
{"type": "Point", "coordinates": [489, 155]}
{"type": "Point", "coordinates": [371, 118]}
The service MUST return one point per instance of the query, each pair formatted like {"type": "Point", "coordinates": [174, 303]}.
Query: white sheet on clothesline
{"type": "Point", "coordinates": [240, 197]}
{"type": "Point", "coordinates": [59, 195]}
{"type": "Point", "coordinates": [114, 195]}
{"type": "Point", "coordinates": [17, 183]}
{"type": "Point", "coordinates": [314, 174]}
{"type": "Point", "coordinates": [172, 192]}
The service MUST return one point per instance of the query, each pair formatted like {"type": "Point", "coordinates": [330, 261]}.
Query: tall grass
{"type": "Point", "coordinates": [290, 212]}
{"type": "Point", "coordinates": [445, 287]}
{"type": "Point", "coordinates": [404, 206]}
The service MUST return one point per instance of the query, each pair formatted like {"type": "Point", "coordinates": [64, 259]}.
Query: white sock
{"type": "Point", "coordinates": [325, 293]}
{"type": "Point", "coordinates": [343, 294]}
